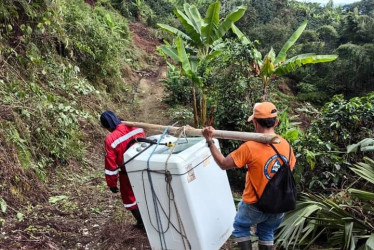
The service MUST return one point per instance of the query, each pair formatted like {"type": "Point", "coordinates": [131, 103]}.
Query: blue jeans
{"type": "Point", "coordinates": [249, 215]}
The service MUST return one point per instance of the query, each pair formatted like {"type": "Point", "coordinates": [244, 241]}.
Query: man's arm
{"type": "Point", "coordinates": [222, 161]}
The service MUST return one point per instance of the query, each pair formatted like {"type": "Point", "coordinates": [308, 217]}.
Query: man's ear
{"type": "Point", "coordinates": [255, 123]}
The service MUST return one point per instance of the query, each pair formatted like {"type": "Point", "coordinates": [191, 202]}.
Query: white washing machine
{"type": "Point", "coordinates": [192, 206]}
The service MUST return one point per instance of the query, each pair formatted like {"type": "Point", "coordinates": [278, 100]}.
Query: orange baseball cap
{"type": "Point", "coordinates": [263, 110]}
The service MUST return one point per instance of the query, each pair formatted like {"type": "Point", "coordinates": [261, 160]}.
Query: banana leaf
{"type": "Point", "coordinates": [182, 55]}
{"type": "Point", "coordinates": [240, 34]}
{"type": "Point", "coordinates": [231, 18]}
{"type": "Point", "coordinates": [297, 61]}
{"type": "Point", "coordinates": [267, 67]}
{"type": "Point", "coordinates": [271, 55]}
{"type": "Point", "coordinates": [283, 53]}
{"type": "Point", "coordinates": [194, 15]}
{"type": "Point", "coordinates": [194, 61]}
{"type": "Point", "coordinates": [170, 52]}
{"type": "Point", "coordinates": [189, 27]}
{"type": "Point", "coordinates": [245, 41]}
{"type": "Point", "coordinates": [213, 55]}
{"type": "Point", "coordinates": [211, 22]}
{"type": "Point", "coordinates": [174, 31]}
{"type": "Point", "coordinates": [189, 64]}
{"type": "Point", "coordinates": [218, 45]}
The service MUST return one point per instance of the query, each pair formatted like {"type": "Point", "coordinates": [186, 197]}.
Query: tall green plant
{"type": "Point", "coordinates": [203, 36]}
{"type": "Point", "coordinates": [280, 65]}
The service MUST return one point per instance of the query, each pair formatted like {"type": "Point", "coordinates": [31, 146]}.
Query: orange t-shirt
{"type": "Point", "coordinates": [262, 163]}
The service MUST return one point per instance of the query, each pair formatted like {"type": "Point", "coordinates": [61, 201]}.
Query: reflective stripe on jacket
{"type": "Point", "coordinates": [115, 145]}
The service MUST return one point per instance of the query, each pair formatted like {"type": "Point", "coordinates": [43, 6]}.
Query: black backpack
{"type": "Point", "coordinates": [280, 193]}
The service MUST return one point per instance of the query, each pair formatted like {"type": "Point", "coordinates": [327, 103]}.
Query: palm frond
{"type": "Point", "coordinates": [365, 170]}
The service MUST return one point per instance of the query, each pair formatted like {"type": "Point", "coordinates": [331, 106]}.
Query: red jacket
{"type": "Point", "coordinates": [115, 146]}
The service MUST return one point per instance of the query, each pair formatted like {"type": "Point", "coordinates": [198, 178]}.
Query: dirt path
{"type": "Point", "coordinates": [146, 103]}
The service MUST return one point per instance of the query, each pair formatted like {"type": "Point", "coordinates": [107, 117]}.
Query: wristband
{"type": "Point", "coordinates": [210, 142]}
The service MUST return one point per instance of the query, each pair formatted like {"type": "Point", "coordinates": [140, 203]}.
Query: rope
{"type": "Point", "coordinates": [170, 190]}
{"type": "Point", "coordinates": [154, 197]}
{"type": "Point", "coordinates": [180, 131]}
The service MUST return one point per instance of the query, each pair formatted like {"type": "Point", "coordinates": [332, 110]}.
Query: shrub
{"type": "Point", "coordinates": [177, 87]}
{"type": "Point", "coordinates": [97, 39]}
{"type": "Point", "coordinates": [340, 123]}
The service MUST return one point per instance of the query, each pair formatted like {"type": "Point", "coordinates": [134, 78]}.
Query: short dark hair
{"type": "Point", "coordinates": [266, 122]}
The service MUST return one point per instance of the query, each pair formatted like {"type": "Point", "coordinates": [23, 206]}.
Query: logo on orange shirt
{"type": "Point", "coordinates": [273, 164]}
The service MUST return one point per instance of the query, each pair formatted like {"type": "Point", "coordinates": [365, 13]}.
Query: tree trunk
{"type": "Point", "coordinates": [264, 96]}
{"type": "Point", "coordinates": [195, 114]}
{"type": "Point", "coordinates": [203, 110]}
{"type": "Point", "coordinates": [210, 119]}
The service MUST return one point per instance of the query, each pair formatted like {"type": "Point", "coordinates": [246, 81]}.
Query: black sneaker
{"type": "Point", "coordinates": [139, 225]}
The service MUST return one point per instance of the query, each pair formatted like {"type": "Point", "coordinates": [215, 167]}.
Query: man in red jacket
{"type": "Point", "coordinates": [116, 143]}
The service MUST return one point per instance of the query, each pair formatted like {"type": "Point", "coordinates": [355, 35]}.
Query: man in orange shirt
{"type": "Point", "coordinates": [262, 163]}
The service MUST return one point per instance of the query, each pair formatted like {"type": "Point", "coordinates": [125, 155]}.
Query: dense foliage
{"type": "Point", "coordinates": [344, 218]}
{"type": "Point", "coordinates": [62, 62]}
{"type": "Point", "coordinates": [328, 138]}
{"type": "Point", "coordinates": [339, 124]}
{"type": "Point", "coordinates": [58, 62]}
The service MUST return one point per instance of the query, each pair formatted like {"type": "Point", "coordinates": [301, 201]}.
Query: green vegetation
{"type": "Point", "coordinates": [204, 38]}
{"type": "Point", "coordinates": [62, 63]}
{"type": "Point", "coordinates": [329, 137]}
{"type": "Point", "coordinates": [345, 217]}
{"type": "Point", "coordinates": [278, 65]}
{"type": "Point", "coordinates": [59, 62]}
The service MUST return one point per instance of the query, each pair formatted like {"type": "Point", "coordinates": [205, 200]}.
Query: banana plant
{"type": "Point", "coordinates": [188, 65]}
{"type": "Point", "coordinates": [279, 65]}
{"type": "Point", "coordinates": [203, 37]}
{"type": "Point", "coordinates": [201, 33]}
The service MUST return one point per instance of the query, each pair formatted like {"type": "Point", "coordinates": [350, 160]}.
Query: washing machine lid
{"type": "Point", "coordinates": [187, 150]}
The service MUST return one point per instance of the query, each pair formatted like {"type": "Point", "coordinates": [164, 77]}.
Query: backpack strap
{"type": "Point", "coordinates": [279, 156]}
{"type": "Point", "coordinates": [287, 163]}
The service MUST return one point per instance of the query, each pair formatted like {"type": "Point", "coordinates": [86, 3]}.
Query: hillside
{"type": "Point", "coordinates": [75, 209]}
{"type": "Point", "coordinates": [60, 67]}
{"type": "Point", "coordinates": [62, 63]}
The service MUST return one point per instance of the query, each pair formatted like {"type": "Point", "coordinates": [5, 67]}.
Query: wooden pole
{"type": "Point", "coordinates": [222, 134]}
